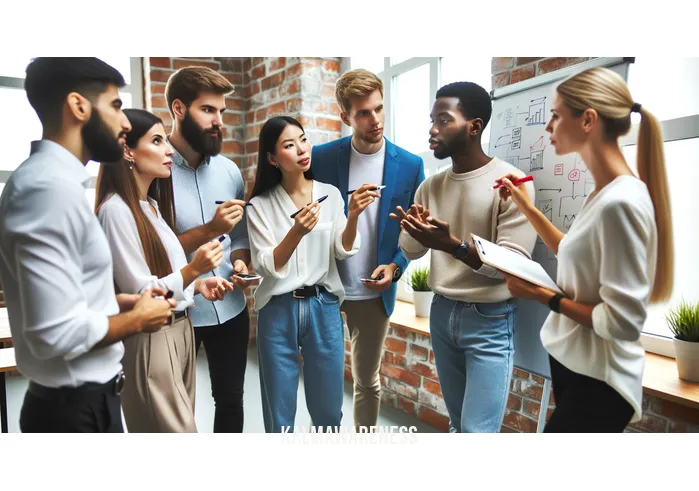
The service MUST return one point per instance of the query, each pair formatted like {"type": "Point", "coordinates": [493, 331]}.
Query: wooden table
{"type": "Point", "coordinates": [7, 364]}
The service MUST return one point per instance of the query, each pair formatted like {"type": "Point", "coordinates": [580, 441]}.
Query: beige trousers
{"type": "Point", "coordinates": [159, 388]}
{"type": "Point", "coordinates": [367, 324]}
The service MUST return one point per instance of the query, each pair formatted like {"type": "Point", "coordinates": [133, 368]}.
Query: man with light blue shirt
{"type": "Point", "coordinates": [209, 193]}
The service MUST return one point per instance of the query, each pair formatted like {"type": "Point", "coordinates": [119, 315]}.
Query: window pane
{"type": "Point", "coordinates": [665, 85]}
{"type": "Point", "coordinates": [374, 64]}
{"type": "Point", "coordinates": [14, 66]}
{"type": "Point", "coordinates": [681, 182]}
{"type": "Point", "coordinates": [411, 108]}
{"type": "Point", "coordinates": [18, 131]}
{"type": "Point", "coordinates": [399, 59]}
{"type": "Point", "coordinates": [121, 63]}
{"type": "Point", "coordinates": [474, 69]}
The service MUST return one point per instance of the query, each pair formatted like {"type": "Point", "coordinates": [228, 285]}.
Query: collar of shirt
{"type": "Point", "coordinates": [72, 168]}
{"type": "Point", "coordinates": [178, 159]}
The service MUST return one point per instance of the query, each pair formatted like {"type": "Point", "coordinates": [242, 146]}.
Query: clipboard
{"type": "Point", "coordinates": [513, 263]}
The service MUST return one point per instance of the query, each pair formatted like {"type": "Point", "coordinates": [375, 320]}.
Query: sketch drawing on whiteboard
{"type": "Point", "coordinates": [537, 112]}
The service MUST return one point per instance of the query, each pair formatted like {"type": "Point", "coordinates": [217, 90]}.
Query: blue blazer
{"type": "Point", "coordinates": [403, 172]}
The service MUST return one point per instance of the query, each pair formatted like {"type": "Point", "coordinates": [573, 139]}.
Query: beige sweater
{"type": "Point", "coordinates": [469, 206]}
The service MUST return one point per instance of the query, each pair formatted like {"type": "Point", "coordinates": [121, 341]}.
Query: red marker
{"type": "Point", "coordinates": [516, 182]}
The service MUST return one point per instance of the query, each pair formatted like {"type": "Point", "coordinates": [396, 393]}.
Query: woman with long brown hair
{"type": "Point", "coordinates": [135, 207]}
{"type": "Point", "coordinates": [616, 258]}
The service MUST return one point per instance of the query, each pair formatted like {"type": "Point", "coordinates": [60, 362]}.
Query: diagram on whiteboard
{"type": "Point", "coordinates": [519, 137]}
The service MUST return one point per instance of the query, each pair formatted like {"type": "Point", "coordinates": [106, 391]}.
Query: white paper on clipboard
{"type": "Point", "coordinates": [513, 263]}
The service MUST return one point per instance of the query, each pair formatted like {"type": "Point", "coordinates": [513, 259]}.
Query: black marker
{"type": "Point", "coordinates": [221, 202]}
{"type": "Point", "coordinates": [374, 189]}
{"type": "Point", "coordinates": [320, 200]}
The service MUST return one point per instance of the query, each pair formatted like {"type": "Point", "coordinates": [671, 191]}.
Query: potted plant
{"type": "Point", "coordinates": [422, 295]}
{"type": "Point", "coordinates": [684, 324]}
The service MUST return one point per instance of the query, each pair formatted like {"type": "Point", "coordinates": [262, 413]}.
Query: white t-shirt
{"type": "Point", "coordinates": [607, 259]}
{"type": "Point", "coordinates": [313, 262]}
{"type": "Point", "coordinates": [364, 169]}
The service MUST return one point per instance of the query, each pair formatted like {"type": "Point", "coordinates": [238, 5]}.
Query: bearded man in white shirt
{"type": "Point", "coordinates": [67, 323]}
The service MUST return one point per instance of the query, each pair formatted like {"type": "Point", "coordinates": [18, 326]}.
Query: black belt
{"type": "Point", "coordinates": [176, 316]}
{"type": "Point", "coordinates": [114, 386]}
{"type": "Point", "coordinates": [308, 291]}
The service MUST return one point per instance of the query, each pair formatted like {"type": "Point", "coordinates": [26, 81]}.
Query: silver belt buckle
{"type": "Point", "coordinates": [293, 294]}
{"type": "Point", "coordinates": [119, 383]}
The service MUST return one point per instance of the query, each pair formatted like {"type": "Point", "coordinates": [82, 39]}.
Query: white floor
{"type": "Point", "coordinates": [16, 387]}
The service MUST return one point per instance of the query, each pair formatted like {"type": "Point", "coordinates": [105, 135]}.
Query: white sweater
{"type": "Point", "coordinates": [468, 204]}
{"type": "Point", "coordinates": [313, 260]}
{"type": "Point", "coordinates": [608, 260]}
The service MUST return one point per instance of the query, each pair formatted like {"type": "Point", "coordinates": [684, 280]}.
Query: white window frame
{"type": "Point", "coordinates": [135, 88]}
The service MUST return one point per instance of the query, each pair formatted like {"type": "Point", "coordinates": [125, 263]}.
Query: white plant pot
{"type": "Point", "coordinates": [423, 302]}
{"type": "Point", "coordinates": [687, 356]}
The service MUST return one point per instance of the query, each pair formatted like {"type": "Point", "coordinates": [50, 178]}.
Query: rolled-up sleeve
{"type": "Point", "coordinates": [624, 283]}
{"type": "Point", "coordinates": [339, 226]}
{"type": "Point", "coordinates": [262, 245]}
{"type": "Point", "coordinates": [49, 272]}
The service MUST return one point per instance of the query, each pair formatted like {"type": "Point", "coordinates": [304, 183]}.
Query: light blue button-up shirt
{"type": "Point", "coordinates": [196, 193]}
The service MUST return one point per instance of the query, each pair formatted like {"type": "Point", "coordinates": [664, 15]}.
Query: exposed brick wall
{"type": "Point", "coordinates": [264, 87]}
{"type": "Point", "coordinates": [509, 70]}
{"type": "Point", "coordinates": [299, 87]}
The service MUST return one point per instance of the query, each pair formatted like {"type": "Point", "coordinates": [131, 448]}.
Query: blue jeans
{"type": "Point", "coordinates": [473, 351]}
{"type": "Point", "coordinates": [313, 325]}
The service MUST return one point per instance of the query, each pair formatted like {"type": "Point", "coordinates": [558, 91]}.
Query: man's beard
{"type": "Point", "coordinates": [103, 146]}
{"type": "Point", "coordinates": [200, 139]}
{"type": "Point", "coordinates": [369, 138]}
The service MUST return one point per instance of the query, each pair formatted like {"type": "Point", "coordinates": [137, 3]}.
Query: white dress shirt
{"type": "Point", "coordinates": [313, 261]}
{"type": "Point", "coordinates": [607, 259]}
{"type": "Point", "coordinates": [56, 271]}
{"type": "Point", "coordinates": [131, 271]}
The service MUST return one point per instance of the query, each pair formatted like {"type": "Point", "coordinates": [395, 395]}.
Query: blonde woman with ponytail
{"type": "Point", "coordinates": [616, 258]}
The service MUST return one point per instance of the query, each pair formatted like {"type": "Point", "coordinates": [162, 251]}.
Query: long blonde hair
{"type": "Point", "coordinates": [606, 92]}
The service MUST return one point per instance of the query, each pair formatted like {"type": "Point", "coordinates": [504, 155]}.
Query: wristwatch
{"type": "Point", "coordinates": [555, 303]}
{"type": "Point", "coordinates": [397, 273]}
{"type": "Point", "coordinates": [461, 252]}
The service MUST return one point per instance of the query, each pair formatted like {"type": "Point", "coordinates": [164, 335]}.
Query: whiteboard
{"type": "Point", "coordinates": [518, 136]}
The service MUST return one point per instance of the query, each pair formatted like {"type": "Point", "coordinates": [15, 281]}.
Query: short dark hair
{"type": "Point", "coordinates": [187, 83]}
{"type": "Point", "coordinates": [474, 100]}
{"type": "Point", "coordinates": [50, 80]}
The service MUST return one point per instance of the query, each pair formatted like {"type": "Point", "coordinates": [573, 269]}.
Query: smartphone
{"type": "Point", "coordinates": [245, 276]}
{"type": "Point", "coordinates": [372, 280]}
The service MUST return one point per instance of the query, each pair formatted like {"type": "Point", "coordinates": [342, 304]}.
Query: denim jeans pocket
{"type": "Point", "coordinates": [328, 298]}
{"type": "Point", "coordinates": [497, 310]}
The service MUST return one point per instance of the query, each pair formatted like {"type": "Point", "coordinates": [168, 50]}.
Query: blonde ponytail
{"type": "Point", "coordinates": [651, 169]}
{"type": "Point", "coordinates": [606, 92]}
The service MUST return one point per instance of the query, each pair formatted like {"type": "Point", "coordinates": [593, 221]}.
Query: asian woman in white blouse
{"type": "Point", "coordinates": [135, 207]}
{"type": "Point", "coordinates": [616, 258]}
{"type": "Point", "coordinates": [298, 300]}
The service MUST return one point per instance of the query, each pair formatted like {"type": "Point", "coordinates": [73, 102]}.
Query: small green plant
{"type": "Point", "coordinates": [418, 279]}
{"type": "Point", "coordinates": [684, 321]}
